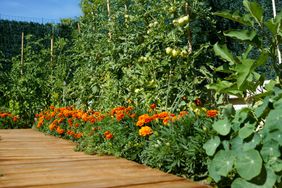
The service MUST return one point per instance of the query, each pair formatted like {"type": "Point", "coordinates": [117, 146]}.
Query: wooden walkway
{"type": "Point", "coordinates": [30, 159]}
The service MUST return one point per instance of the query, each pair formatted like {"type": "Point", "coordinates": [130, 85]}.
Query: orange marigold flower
{"type": "Point", "coordinates": [59, 130]}
{"type": "Point", "coordinates": [153, 106]}
{"type": "Point", "coordinates": [109, 136]}
{"type": "Point", "coordinates": [145, 117]}
{"type": "Point", "coordinates": [166, 120]}
{"type": "Point", "coordinates": [212, 113]}
{"type": "Point", "coordinates": [84, 117]}
{"type": "Point", "coordinates": [15, 118]}
{"type": "Point", "coordinates": [78, 135]}
{"type": "Point", "coordinates": [146, 130]}
{"type": "Point", "coordinates": [163, 115]}
{"type": "Point", "coordinates": [70, 122]}
{"type": "Point", "coordinates": [40, 122]}
{"type": "Point", "coordinates": [53, 114]}
{"type": "Point", "coordinates": [52, 107]}
{"type": "Point", "coordinates": [140, 123]}
{"type": "Point", "coordinates": [52, 126]}
{"type": "Point", "coordinates": [119, 116]}
{"type": "Point", "coordinates": [106, 133]}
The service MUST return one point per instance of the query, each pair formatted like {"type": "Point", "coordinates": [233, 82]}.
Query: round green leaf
{"type": "Point", "coordinates": [270, 150]}
{"type": "Point", "coordinates": [253, 143]}
{"type": "Point", "coordinates": [223, 162]}
{"type": "Point", "coordinates": [269, 182]}
{"type": "Point", "coordinates": [222, 127]}
{"type": "Point", "coordinates": [248, 164]}
{"type": "Point", "coordinates": [211, 145]}
{"type": "Point", "coordinates": [246, 131]}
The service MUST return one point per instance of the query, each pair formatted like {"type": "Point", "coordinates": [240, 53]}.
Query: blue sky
{"type": "Point", "coordinates": [47, 9]}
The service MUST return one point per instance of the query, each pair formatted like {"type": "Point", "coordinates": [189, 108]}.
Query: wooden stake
{"type": "Point", "coordinates": [109, 16]}
{"type": "Point", "coordinates": [52, 48]}
{"type": "Point", "coordinates": [189, 33]}
{"type": "Point", "coordinates": [109, 9]}
{"type": "Point", "coordinates": [22, 53]}
{"type": "Point", "coordinates": [78, 27]}
{"type": "Point", "coordinates": [278, 50]}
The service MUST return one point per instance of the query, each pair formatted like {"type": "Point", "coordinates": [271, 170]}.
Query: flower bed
{"type": "Point", "coordinates": [8, 121]}
{"type": "Point", "coordinates": [170, 142]}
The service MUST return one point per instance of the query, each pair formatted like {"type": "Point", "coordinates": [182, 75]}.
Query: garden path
{"type": "Point", "coordinates": [29, 158]}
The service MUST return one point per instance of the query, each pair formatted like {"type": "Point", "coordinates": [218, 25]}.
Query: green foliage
{"type": "Point", "coordinates": [124, 56]}
{"type": "Point", "coordinates": [241, 74]}
{"type": "Point", "coordinates": [249, 154]}
{"type": "Point", "coordinates": [177, 148]}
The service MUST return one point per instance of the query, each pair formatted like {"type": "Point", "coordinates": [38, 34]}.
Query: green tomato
{"type": "Point", "coordinates": [175, 53]}
{"type": "Point", "coordinates": [168, 50]}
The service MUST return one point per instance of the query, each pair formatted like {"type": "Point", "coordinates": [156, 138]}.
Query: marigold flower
{"type": "Point", "coordinates": [108, 135]}
{"type": "Point", "coordinates": [106, 132]}
{"type": "Point", "coordinates": [166, 120]}
{"type": "Point", "coordinates": [78, 135]}
{"type": "Point", "coordinates": [84, 117]}
{"type": "Point", "coordinates": [52, 107]}
{"type": "Point", "coordinates": [212, 113]}
{"type": "Point", "coordinates": [140, 123]}
{"type": "Point", "coordinates": [145, 117]}
{"type": "Point", "coordinates": [146, 130]}
{"type": "Point", "coordinates": [15, 118]}
{"type": "Point", "coordinates": [52, 126]}
{"type": "Point", "coordinates": [163, 115]}
{"type": "Point", "coordinates": [119, 116]}
{"type": "Point", "coordinates": [153, 106]}
{"type": "Point", "coordinates": [70, 122]}
{"type": "Point", "coordinates": [59, 130]}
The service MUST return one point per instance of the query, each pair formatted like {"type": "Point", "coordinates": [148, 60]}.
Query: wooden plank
{"type": "Point", "coordinates": [31, 159]}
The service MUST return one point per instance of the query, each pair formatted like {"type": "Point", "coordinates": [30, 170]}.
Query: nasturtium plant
{"type": "Point", "coordinates": [249, 154]}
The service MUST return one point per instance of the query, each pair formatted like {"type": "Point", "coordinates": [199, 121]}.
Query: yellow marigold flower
{"type": "Point", "coordinates": [146, 130]}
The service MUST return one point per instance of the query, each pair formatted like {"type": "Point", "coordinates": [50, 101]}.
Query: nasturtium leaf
{"type": "Point", "coordinates": [237, 144]}
{"type": "Point", "coordinates": [248, 164]}
{"type": "Point", "coordinates": [277, 165]}
{"type": "Point", "coordinates": [241, 34]}
{"type": "Point", "coordinates": [222, 127]}
{"type": "Point", "coordinates": [223, 162]}
{"type": "Point", "coordinates": [246, 131]}
{"type": "Point", "coordinates": [269, 150]}
{"type": "Point", "coordinates": [253, 143]}
{"type": "Point", "coordinates": [273, 120]}
{"type": "Point", "coordinates": [277, 136]}
{"type": "Point", "coordinates": [213, 173]}
{"type": "Point", "coordinates": [261, 109]}
{"type": "Point", "coordinates": [211, 145]}
{"type": "Point", "coordinates": [269, 181]}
